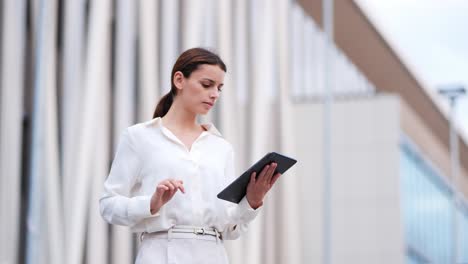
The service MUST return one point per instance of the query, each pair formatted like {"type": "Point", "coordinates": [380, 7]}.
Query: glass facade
{"type": "Point", "coordinates": [463, 217]}
{"type": "Point", "coordinates": [428, 212]}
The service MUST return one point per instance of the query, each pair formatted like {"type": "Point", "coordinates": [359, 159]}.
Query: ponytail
{"type": "Point", "coordinates": [164, 105]}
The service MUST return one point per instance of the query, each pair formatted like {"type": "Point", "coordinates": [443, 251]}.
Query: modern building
{"type": "Point", "coordinates": [75, 73]}
{"type": "Point", "coordinates": [392, 192]}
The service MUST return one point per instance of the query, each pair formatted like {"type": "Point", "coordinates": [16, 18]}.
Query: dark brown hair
{"type": "Point", "coordinates": [187, 63]}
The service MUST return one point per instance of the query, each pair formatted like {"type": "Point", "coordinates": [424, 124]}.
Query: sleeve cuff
{"type": "Point", "coordinates": [139, 207]}
{"type": "Point", "coordinates": [246, 210]}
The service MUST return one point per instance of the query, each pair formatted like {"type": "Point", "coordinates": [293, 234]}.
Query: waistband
{"type": "Point", "coordinates": [181, 231]}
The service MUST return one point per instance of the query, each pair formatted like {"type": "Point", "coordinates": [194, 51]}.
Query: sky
{"type": "Point", "coordinates": [431, 38]}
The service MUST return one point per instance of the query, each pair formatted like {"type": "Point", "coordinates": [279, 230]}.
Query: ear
{"type": "Point", "coordinates": [178, 80]}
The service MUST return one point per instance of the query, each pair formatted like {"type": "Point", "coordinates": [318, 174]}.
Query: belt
{"type": "Point", "coordinates": [189, 230]}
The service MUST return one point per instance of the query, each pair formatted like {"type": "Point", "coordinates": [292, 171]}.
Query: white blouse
{"type": "Point", "coordinates": [149, 153]}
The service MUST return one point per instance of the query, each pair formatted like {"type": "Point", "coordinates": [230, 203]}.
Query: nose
{"type": "Point", "coordinates": [214, 94]}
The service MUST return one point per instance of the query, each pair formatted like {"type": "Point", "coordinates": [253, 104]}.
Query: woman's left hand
{"type": "Point", "coordinates": [259, 186]}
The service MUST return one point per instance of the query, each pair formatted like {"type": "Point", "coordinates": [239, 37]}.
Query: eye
{"type": "Point", "coordinates": [220, 89]}
{"type": "Point", "coordinates": [206, 85]}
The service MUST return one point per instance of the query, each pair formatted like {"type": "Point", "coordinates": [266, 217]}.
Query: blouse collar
{"type": "Point", "coordinates": [209, 127]}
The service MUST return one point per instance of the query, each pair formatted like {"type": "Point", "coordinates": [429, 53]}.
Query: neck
{"type": "Point", "coordinates": [180, 118]}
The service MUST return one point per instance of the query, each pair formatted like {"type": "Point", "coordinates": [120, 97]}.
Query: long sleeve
{"type": "Point", "coordinates": [239, 215]}
{"type": "Point", "coordinates": [116, 205]}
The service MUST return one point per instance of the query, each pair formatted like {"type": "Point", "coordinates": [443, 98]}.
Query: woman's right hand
{"type": "Point", "coordinates": [164, 192]}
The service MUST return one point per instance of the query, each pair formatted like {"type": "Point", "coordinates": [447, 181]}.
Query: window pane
{"type": "Point", "coordinates": [427, 209]}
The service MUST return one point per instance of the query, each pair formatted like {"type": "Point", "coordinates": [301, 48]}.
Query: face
{"type": "Point", "coordinates": [201, 90]}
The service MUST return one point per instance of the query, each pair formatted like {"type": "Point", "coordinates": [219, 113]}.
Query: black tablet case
{"type": "Point", "coordinates": [235, 191]}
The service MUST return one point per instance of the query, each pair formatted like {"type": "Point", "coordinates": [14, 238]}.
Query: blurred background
{"type": "Point", "coordinates": [367, 95]}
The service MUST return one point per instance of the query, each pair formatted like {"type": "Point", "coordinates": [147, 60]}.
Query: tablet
{"type": "Point", "coordinates": [235, 191]}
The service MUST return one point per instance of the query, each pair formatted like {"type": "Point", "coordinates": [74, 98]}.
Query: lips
{"type": "Point", "coordinates": [209, 103]}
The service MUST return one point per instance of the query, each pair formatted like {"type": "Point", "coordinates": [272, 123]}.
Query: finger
{"type": "Point", "coordinates": [172, 193]}
{"type": "Point", "coordinates": [174, 183]}
{"type": "Point", "coordinates": [181, 188]}
{"type": "Point", "coordinates": [267, 175]}
{"type": "Point", "coordinates": [170, 189]}
{"type": "Point", "coordinates": [270, 172]}
{"type": "Point", "coordinates": [275, 178]}
{"type": "Point", "coordinates": [161, 189]}
{"type": "Point", "coordinates": [261, 177]}
{"type": "Point", "coordinates": [171, 186]}
{"type": "Point", "coordinates": [180, 185]}
{"type": "Point", "coordinates": [252, 177]}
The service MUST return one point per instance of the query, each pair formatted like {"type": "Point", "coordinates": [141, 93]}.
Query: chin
{"type": "Point", "coordinates": [204, 112]}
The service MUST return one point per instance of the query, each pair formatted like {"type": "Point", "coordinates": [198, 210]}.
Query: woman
{"type": "Point", "coordinates": [167, 172]}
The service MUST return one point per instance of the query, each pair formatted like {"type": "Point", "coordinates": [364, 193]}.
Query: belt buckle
{"type": "Point", "coordinates": [198, 232]}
